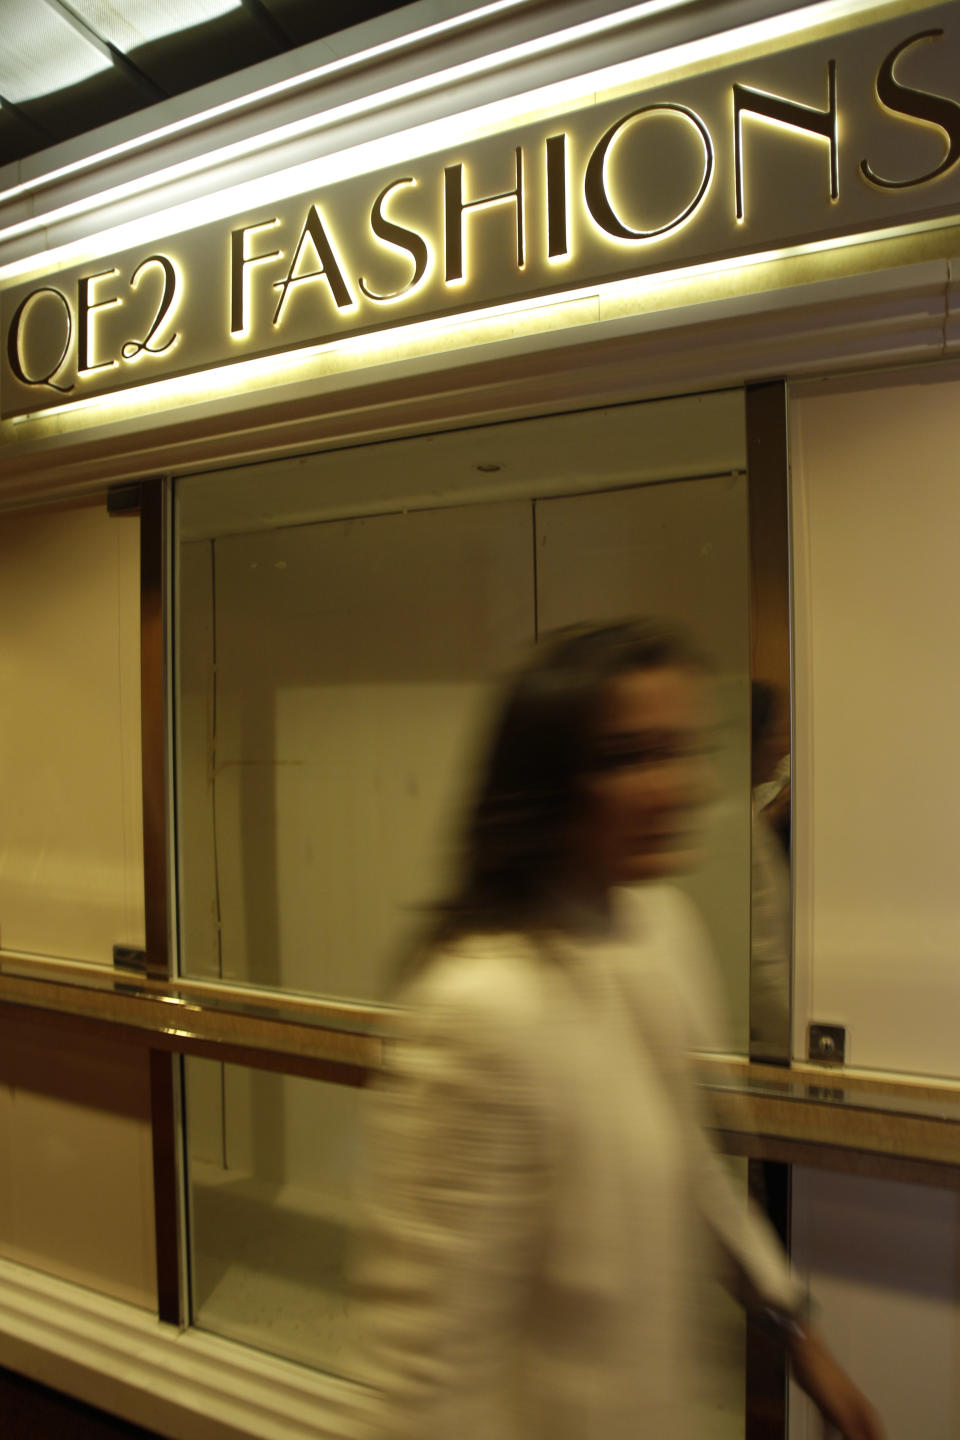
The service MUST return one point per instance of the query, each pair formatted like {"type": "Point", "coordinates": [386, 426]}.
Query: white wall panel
{"type": "Point", "coordinates": [877, 764]}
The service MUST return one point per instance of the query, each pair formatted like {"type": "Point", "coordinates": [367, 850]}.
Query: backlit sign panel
{"type": "Point", "coordinates": [832, 137]}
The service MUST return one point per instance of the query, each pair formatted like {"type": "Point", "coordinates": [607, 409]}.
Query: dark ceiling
{"type": "Point", "coordinates": [130, 79]}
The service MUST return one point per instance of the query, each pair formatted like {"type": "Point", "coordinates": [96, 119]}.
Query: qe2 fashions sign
{"type": "Point", "coordinates": [846, 134]}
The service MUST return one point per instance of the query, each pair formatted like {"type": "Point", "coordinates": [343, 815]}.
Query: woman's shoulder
{"type": "Point", "coordinates": [481, 981]}
{"type": "Point", "coordinates": [660, 908]}
{"type": "Point", "coordinates": [684, 955]}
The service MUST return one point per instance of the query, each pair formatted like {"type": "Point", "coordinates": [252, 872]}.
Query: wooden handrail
{"type": "Point", "coordinates": [901, 1127]}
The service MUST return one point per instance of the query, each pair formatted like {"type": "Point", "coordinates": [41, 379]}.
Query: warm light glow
{"type": "Point", "coordinates": [277, 279]}
{"type": "Point", "coordinates": [428, 338]}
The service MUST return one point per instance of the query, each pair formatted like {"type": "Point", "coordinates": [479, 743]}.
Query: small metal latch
{"type": "Point", "coordinates": [127, 957]}
{"type": "Point", "coordinates": [828, 1044]}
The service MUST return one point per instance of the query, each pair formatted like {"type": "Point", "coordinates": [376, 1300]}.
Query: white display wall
{"type": "Point", "coordinates": [876, 515]}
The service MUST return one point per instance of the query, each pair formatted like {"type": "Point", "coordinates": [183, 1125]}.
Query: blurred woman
{"type": "Point", "coordinates": [542, 1203]}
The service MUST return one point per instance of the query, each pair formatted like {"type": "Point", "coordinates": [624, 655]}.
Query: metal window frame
{"type": "Point", "coordinates": [767, 496]}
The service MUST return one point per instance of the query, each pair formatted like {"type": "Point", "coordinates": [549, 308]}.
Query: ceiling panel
{"type": "Point", "coordinates": [129, 23]}
{"type": "Point", "coordinates": [69, 66]}
{"type": "Point", "coordinates": [42, 52]}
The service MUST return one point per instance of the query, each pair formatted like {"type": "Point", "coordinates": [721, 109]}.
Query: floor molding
{"type": "Point", "coordinates": [184, 1384]}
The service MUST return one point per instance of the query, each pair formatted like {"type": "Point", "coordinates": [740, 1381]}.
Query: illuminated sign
{"type": "Point", "coordinates": [842, 135]}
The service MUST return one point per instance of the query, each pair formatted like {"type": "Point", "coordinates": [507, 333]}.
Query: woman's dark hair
{"type": "Point", "coordinates": [516, 839]}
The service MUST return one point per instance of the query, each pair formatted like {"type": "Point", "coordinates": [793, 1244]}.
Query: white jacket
{"type": "Point", "coordinates": [540, 1192]}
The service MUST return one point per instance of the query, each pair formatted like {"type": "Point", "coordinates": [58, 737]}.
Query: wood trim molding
{"type": "Point", "coordinates": [901, 1127]}
{"type": "Point", "coordinates": [172, 1017]}
{"type": "Point", "coordinates": [832, 1119]}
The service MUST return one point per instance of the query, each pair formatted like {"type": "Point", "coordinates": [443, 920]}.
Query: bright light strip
{"type": "Point", "coordinates": [234, 377]}
{"type": "Point", "coordinates": [257, 97]}
{"type": "Point", "coordinates": [350, 110]}
{"type": "Point", "coordinates": [637, 69]}
{"type": "Point", "coordinates": [400, 342]}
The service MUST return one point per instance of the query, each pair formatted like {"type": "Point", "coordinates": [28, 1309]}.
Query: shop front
{"type": "Point", "coordinates": [321, 401]}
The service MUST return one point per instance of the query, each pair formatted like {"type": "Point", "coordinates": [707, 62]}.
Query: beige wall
{"type": "Point", "coordinates": [76, 1196]}
{"type": "Point", "coordinates": [71, 839]}
{"type": "Point", "coordinates": [76, 1193]}
{"type": "Point", "coordinates": [877, 763]}
{"type": "Point", "coordinates": [876, 787]}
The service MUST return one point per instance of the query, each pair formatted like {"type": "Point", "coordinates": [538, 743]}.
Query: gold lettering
{"type": "Point", "coordinates": [239, 280]}
{"type": "Point", "coordinates": [15, 339]}
{"type": "Point", "coordinates": [398, 236]}
{"type": "Point", "coordinates": [454, 207]}
{"type": "Point", "coordinates": [314, 232]}
{"type": "Point", "coordinates": [792, 114]}
{"type": "Point", "coordinates": [132, 348]}
{"type": "Point", "coordinates": [557, 239]}
{"type": "Point", "coordinates": [86, 304]}
{"type": "Point", "coordinates": [595, 176]}
{"type": "Point", "coordinates": [915, 105]}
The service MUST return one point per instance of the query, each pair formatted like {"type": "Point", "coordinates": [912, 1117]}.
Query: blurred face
{"type": "Point", "coordinates": [650, 776]}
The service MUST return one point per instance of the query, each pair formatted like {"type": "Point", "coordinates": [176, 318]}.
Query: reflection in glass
{"type": "Point", "coordinates": [329, 688]}
{"type": "Point", "coordinates": [770, 876]}
{"type": "Point", "coordinates": [333, 668]}
{"type": "Point", "coordinates": [340, 620]}
{"type": "Point", "coordinates": [271, 1162]}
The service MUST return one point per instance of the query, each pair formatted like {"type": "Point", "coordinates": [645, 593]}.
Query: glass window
{"type": "Point", "coordinates": [272, 1192]}
{"type": "Point", "coordinates": [340, 620]}
{"type": "Point", "coordinates": [342, 665]}
{"type": "Point", "coordinates": [271, 1174]}
{"type": "Point", "coordinates": [341, 617]}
